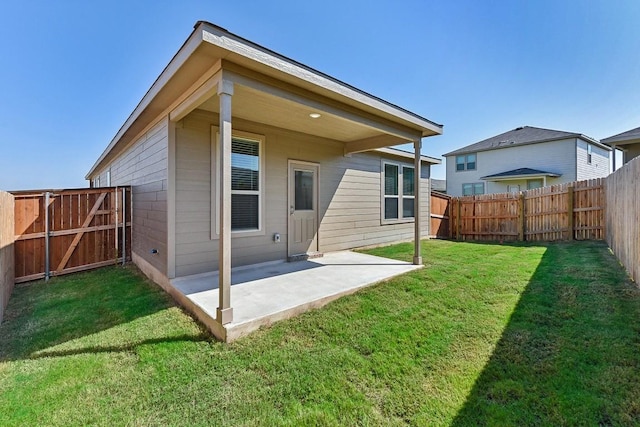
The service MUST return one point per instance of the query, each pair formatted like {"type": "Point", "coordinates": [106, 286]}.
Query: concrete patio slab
{"type": "Point", "coordinates": [265, 293]}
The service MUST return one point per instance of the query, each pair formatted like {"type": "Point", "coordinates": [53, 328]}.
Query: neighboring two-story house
{"type": "Point", "coordinates": [628, 142]}
{"type": "Point", "coordinates": [525, 158]}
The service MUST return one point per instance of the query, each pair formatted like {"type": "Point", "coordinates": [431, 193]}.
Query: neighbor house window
{"type": "Point", "coordinates": [109, 178]}
{"type": "Point", "coordinates": [247, 182]}
{"type": "Point", "coordinates": [534, 183]}
{"type": "Point", "coordinates": [466, 162]}
{"type": "Point", "coordinates": [473, 189]}
{"type": "Point", "coordinates": [589, 153]}
{"type": "Point", "coordinates": [399, 191]}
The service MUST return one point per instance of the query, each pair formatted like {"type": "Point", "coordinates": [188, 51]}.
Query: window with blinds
{"type": "Point", "coordinates": [245, 184]}
{"type": "Point", "coordinates": [399, 192]}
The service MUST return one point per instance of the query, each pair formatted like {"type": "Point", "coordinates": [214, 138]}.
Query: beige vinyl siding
{"type": "Point", "coordinates": [144, 166]}
{"type": "Point", "coordinates": [349, 199]}
{"type": "Point", "coordinates": [599, 166]}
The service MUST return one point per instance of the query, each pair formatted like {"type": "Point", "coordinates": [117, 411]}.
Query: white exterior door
{"type": "Point", "coordinates": [303, 208]}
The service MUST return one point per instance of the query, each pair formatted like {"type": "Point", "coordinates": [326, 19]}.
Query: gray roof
{"type": "Point", "coordinates": [521, 136]}
{"type": "Point", "coordinates": [629, 135]}
{"type": "Point", "coordinates": [521, 172]}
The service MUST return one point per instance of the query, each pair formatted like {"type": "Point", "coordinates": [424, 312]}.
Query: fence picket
{"type": "Point", "coordinates": [558, 212]}
{"type": "Point", "coordinates": [89, 246]}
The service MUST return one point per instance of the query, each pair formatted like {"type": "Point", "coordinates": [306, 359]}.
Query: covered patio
{"type": "Point", "coordinates": [269, 292]}
{"type": "Point", "coordinates": [240, 156]}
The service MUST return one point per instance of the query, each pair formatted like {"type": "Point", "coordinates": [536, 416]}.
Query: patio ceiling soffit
{"type": "Point", "coordinates": [390, 133]}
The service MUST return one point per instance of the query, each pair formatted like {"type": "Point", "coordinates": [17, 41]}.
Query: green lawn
{"type": "Point", "coordinates": [486, 334]}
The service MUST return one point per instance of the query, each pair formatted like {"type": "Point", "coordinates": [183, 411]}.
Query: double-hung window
{"type": "Point", "coordinates": [466, 162]}
{"type": "Point", "coordinates": [247, 183]}
{"type": "Point", "coordinates": [473, 189]}
{"type": "Point", "coordinates": [399, 192]}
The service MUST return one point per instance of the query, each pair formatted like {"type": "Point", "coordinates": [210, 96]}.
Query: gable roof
{"type": "Point", "coordinates": [210, 44]}
{"type": "Point", "coordinates": [522, 136]}
{"type": "Point", "coordinates": [521, 172]}
{"type": "Point", "coordinates": [628, 136]}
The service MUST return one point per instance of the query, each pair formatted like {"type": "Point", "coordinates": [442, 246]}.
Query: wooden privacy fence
{"type": "Point", "coordinates": [559, 212]}
{"type": "Point", "coordinates": [65, 231]}
{"type": "Point", "coordinates": [623, 216]}
{"type": "Point", "coordinates": [439, 215]}
{"type": "Point", "coordinates": [6, 250]}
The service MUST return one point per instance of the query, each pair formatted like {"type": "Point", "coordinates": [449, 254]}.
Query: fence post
{"type": "Point", "coordinates": [117, 229]}
{"type": "Point", "coordinates": [521, 217]}
{"type": "Point", "coordinates": [570, 211]}
{"type": "Point", "coordinates": [47, 269]}
{"type": "Point", "coordinates": [458, 218]}
{"type": "Point", "coordinates": [124, 225]}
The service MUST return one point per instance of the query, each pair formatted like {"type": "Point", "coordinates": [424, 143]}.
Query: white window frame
{"type": "Point", "coordinates": [473, 189]}
{"type": "Point", "coordinates": [399, 197]}
{"type": "Point", "coordinates": [215, 189]}
{"type": "Point", "coordinates": [466, 163]}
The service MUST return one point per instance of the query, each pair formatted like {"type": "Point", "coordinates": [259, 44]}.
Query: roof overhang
{"type": "Point", "coordinates": [520, 177]}
{"type": "Point", "coordinates": [622, 142]}
{"type": "Point", "coordinates": [290, 89]}
{"type": "Point", "coordinates": [585, 138]}
{"type": "Point", "coordinates": [408, 155]}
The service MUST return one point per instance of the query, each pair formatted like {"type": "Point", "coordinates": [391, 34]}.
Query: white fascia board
{"type": "Point", "coordinates": [408, 155]}
{"type": "Point", "coordinates": [240, 46]}
{"type": "Point", "coordinates": [520, 177]}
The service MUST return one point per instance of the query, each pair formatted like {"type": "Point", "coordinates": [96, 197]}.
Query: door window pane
{"type": "Point", "coordinates": [303, 190]}
{"type": "Point", "coordinates": [390, 180]}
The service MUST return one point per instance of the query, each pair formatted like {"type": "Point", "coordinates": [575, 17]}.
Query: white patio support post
{"type": "Point", "coordinates": [225, 312]}
{"type": "Point", "coordinates": [417, 256]}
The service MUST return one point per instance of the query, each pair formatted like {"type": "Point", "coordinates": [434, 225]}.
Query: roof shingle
{"type": "Point", "coordinates": [520, 136]}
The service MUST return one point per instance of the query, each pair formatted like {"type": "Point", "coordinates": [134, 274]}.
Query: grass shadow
{"type": "Point", "coordinates": [570, 350]}
{"type": "Point", "coordinates": [42, 315]}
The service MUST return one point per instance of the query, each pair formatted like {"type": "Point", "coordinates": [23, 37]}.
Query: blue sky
{"type": "Point", "coordinates": [72, 71]}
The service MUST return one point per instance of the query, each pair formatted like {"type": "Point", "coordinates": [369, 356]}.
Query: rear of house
{"type": "Point", "coordinates": [238, 155]}
{"type": "Point", "coordinates": [363, 199]}
{"type": "Point", "coordinates": [523, 159]}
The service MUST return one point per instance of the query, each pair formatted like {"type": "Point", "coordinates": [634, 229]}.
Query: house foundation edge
{"type": "Point", "coordinates": [163, 282]}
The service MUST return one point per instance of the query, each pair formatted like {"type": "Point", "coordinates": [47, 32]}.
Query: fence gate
{"type": "Point", "coordinates": [440, 215]}
{"type": "Point", "coordinates": [65, 231]}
